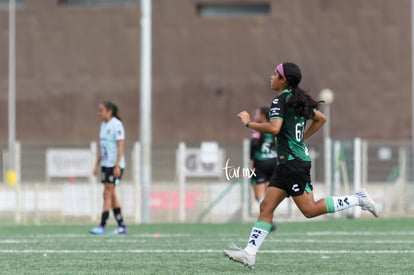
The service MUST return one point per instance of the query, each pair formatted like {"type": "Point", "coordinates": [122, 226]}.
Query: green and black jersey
{"type": "Point", "coordinates": [290, 144]}
{"type": "Point", "coordinates": [262, 146]}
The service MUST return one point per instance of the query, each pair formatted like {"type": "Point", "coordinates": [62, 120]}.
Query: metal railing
{"type": "Point", "coordinates": [386, 168]}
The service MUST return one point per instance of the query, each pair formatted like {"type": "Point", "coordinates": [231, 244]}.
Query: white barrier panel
{"type": "Point", "coordinates": [196, 167]}
{"type": "Point", "coordinates": [62, 163]}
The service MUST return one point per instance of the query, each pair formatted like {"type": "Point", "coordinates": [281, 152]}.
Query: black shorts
{"type": "Point", "coordinates": [293, 176]}
{"type": "Point", "coordinates": [107, 175]}
{"type": "Point", "coordinates": [263, 170]}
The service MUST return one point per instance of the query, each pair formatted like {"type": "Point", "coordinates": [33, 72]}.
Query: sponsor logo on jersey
{"type": "Point", "coordinates": [275, 101]}
{"type": "Point", "coordinates": [274, 111]}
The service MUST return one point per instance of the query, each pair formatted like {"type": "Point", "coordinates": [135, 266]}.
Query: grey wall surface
{"type": "Point", "coordinates": [206, 70]}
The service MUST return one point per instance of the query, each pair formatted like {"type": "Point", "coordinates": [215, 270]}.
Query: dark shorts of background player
{"type": "Point", "coordinates": [107, 175]}
{"type": "Point", "coordinates": [263, 170]}
{"type": "Point", "coordinates": [293, 176]}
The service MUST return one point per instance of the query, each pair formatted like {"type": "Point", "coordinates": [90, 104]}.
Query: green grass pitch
{"type": "Point", "coordinates": [363, 246]}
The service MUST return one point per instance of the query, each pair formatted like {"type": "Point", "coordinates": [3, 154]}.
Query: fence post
{"type": "Point", "coordinates": [136, 164]}
{"type": "Point", "coordinates": [181, 180]}
{"type": "Point", "coordinates": [364, 163]}
{"type": "Point", "coordinates": [401, 183]}
{"type": "Point", "coordinates": [336, 186]}
{"type": "Point", "coordinates": [92, 180]}
{"type": "Point", "coordinates": [357, 172]}
{"type": "Point", "coordinates": [4, 165]}
{"type": "Point", "coordinates": [328, 165]}
{"type": "Point", "coordinates": [16, 185]}
{"type": "Point", "coordinates": [19, 200]}
{"type": "Point", "coordinates": [245, 184]}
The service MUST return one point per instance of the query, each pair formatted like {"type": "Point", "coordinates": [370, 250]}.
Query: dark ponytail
{"type": "Point", "coordinates": [112, 106]}
{"type": "Point", "coordinates": [300, 100]}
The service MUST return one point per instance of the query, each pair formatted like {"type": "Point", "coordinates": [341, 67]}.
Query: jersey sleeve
{"type": "Point", "coordinates": [277, 109]}
{"type": "Point", "coordinates": [119, 131]}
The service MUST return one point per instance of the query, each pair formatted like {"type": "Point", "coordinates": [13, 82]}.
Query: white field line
{"type": "Point", "coordinates": [229, 235]}
{"type": "Point", "coordinates": [341, 241]}
{"type": "Point", "coordinates": [322, 234]}
{"type": "Point", "coordinates": [132, 241]}
{"type": "Point", "coordinates": [360, 233]}
{"type": "Point", "coordinates": [87, 235]}
{"type": "Point", "coordinates": [16, 241]}
{"type": "Point", "coordinates": [199, 251]}
{"type": "Point", "coordinates": [315, 241]}
{"type": "Point", "coordinates": [335, 234]}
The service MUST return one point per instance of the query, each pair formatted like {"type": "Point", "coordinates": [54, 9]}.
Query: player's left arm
{"type": "Point", "coordinates": [117, 169]}
{"type": "Point", "coordinates": [120, 145]}
{"type": "Point", "coordinates": [317, 121]}
{"type": "Point", "coordinates": [120, 136]}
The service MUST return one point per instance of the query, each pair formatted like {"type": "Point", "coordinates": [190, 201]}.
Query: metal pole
{"type": "Point", "coordinates": [181, 180]}
{"type": "Point", "coordinates": [145, 107]}
{"type": "Point", "coordinates": [327, 126]}
{"type": "Point", "coordinates": [327, 150]}
{"type": "Point", "coordinates": [336, 182]}
{"type": "Point", "coordinates": [357, 172]}
{"type": "Point", "coordinates": [245, 184]}
{"type": "Point", "coordinates": [12, 86]}
{"type": "Point", "coordinates": [136, 153]}
{"type": "Point", "coordinates": [412, 88]}
{"type": "Point", "coordinates": [93, 147]}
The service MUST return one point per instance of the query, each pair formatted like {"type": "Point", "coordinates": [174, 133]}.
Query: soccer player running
{"type": "Point", "coordinates": [263, 157]}
{"type": "Point", "coordinates": [288, 115]}
{"type": "Point", "coordinates": [112, 163]}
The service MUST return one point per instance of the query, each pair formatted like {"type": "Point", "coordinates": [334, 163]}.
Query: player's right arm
{"type": "Point", "coordinates": [277, 114]}
{"type": "Point", "coordinates": [273, 127]}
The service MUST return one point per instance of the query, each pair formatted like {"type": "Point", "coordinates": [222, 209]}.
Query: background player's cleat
{"type": "Point", "coordinates": [240, 255]}
{"type": "Point", "coordinates": [120, 231]}
{"type": "Point", "coordinates": [366, 202]}
{"type": "Point", "coordinates": [99, 230]}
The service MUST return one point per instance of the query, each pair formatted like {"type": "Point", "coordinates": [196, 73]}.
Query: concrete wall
{"type": "Point", "coordinates": [206, 70]}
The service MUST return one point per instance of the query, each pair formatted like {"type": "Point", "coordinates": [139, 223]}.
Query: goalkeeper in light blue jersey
{"type": "Point", "coordinates": [111, 162]}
